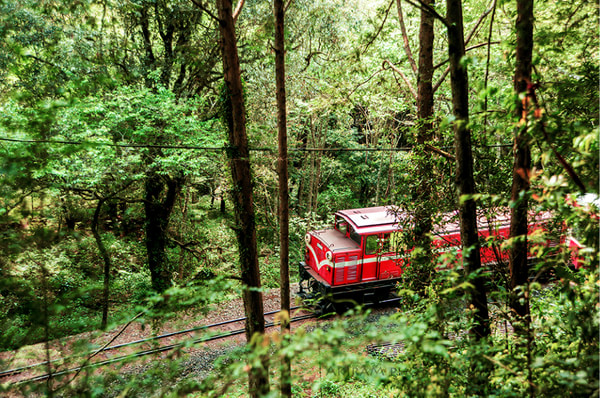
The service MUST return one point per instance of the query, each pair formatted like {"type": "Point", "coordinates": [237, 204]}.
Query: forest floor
{"type": "Point", "coordinates": [201, 355]}
{"type": "Point", "coordinates": [198, 359]}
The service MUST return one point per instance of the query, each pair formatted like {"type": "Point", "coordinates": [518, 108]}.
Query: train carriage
{"type": "Point", "coordinates": [361, 258]}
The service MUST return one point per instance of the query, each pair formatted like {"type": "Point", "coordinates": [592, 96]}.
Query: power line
{"type": "Point", "coordinates": [108, 144]}
{"type": "Point", "coordinates": [224, 148]}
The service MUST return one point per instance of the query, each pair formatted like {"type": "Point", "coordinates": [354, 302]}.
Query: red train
{"type": "Point", "coordinates": [362, 259]}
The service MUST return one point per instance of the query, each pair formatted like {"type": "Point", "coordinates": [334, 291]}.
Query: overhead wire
{"type": "Point", "coordinates": [225, 148]}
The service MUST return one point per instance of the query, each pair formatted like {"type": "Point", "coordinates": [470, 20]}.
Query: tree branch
{"type": "Point", "coordinates": [487, 67]}
{"type": "Point", "coordinates": [308, 58]}
{"type": "Point", "coordinates": [10, 208]}
{"type": "Point", "coordinates": [473, 47]}
{"type": "Point", "coordinates": [470, 35]}
{"type": "Point", "coordinates": [445, 154]}
{"type": "Point", "coordinates": [366, 81]}
{"type": "Point", "coordinates": [427, 8]}
{"type": "Point", "coordinates": [402, 75]}
{"type": "Point", "coordinates": [238, 10]}
{"type": "Point", "coordinates": [387, 12]}
{"type": "Point", "coordinates": [201, 6]}
{"type": "Point", "coordinates": [99, 350]}
{"type": "Point", "coordinates": [48, 63]}
{"type": "Point", "coordinates": [407, 49]}
{"type": "Point", "coordinates": [287, 6]}
{"type": "Point", "coordinates": [479, 21]}
{"type": "Point", "coordinates": [531, 95]}
{"type": "Point", "coordinates": [186, 246]}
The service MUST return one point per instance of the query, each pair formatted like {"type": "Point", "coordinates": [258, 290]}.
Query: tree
{"type": "Point", "coordinates": [519, 270]}
{"type": "Point", "coordinates": [464, 167]}
{"type": "Point", "coordinates": [282, 168]}
{"type": "Point", "coordinates": [245, 228]}
{"type": "Point", "coordinates": [466, 186]}
{"type": "Point", "coordinates": [423, 217]}
{"type": "Point", "coordinates": [160, 194]}
{"type": "Point", "coordinates": [522, 159]}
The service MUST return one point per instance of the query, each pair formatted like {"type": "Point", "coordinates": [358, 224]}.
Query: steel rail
{"type": "Point", "coordinates": [16, 371]}
{"type": "Point", "coordinates": [148, 352]}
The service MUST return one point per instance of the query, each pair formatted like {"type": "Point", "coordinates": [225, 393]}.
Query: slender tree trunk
{"type": "Point", "coordinates": [423, 208]}
{"type": "Point", "coordinates": [464, 167]}
{"type": "Point", "coordinates": [522, 159]}
{"type": "Point", "coordinates": [519, 292]}
{"type": "Point", "coordinates": [284, 273]}
{"type": "Point", "coordinates": [184, 216]}
{"type": "Point", "coordinates": [405, 41]}
{"type": "Point", "coordinates": [425, 75]}
{"type": "Point", "coordinates": [149, 59]}
{"type": "Point", "coordinates": [479, 367]}
{"type": "Point", "coordinates": [105, 259]}
{"type": "Point", "coordinates": [46, 324]}
{"type": "Point", "coordinates": [242, 193]}
{"type": "Point", "coordinates": [466, 186]}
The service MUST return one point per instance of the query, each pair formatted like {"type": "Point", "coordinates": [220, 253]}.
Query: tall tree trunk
{"type": "Point", "coordinates": [425, 75]}
{"type": "Point", "coordinates": [239, 157]}
{"type": "Point", "coordinates": [522, 159]}
{"type": "Point", "coordinates": [479, 367]}
{"type": "Point", "coordinates": [464, 167]}
{"type": "Point", "coordinates": [519, 300]}
{"type": "Point", "coordinates": [423, 209]}
{"type": "Point", "coordinates": [282, 166]}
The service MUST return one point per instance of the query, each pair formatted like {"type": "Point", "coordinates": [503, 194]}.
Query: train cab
{"type": "Point", "coordinates": [361, 252]}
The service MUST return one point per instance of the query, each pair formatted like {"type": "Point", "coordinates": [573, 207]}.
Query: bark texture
{"type": "Point", "coordinates": [522, 159]}
{"type": "Point", "coordinates": [464, 167]}
{"type": "Point", "coordinates": [425, 75]}
{"type": "Point", "coordinates": [239, 158]}
{"type": "Point", "coordinates": [282, 168]}
{"type": "Point", "coordinates": [423, 209]}
{"type": "Point", "coordinates": [160, 195]}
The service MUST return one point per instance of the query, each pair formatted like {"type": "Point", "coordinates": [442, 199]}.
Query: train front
{"type": "Point", "coordinates": [327, 254]}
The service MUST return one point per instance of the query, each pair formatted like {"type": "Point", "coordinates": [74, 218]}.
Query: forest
{"type": "Point", "coordinates": [163, 159]}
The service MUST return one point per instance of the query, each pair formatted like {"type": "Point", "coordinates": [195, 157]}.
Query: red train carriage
{"type": "Point", "coordinates": [360, 258]}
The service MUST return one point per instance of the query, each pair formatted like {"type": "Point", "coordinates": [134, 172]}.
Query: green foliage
{"type": "Point", "coordinates": [86, 72]}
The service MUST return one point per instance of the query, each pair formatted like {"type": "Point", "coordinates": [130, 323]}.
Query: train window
{"type": "Point", "coordinates": [371, 244]}
{"type": "Point", "coordinates": [387, 244]}
{"type": "Point", "coordinates": [341, 225]}
{"type": "Point", "coordinates": [354, 235]}
{"type": "Point", "coordinates": [391, 242]}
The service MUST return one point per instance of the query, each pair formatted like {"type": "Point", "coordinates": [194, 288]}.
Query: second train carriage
{"type": "Point", "coordinates": [361, 257]}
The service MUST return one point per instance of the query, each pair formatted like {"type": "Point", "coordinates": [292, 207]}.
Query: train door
{"type": "Point", "coordinates": [392, 257]}
{"type": "Point", "coordinates": [371, 257]}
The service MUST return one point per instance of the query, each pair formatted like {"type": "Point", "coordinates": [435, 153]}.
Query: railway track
{"type": "Point", "coordinates": [385, 350]}
{"type": "Point", "coordinates": [87, 364]}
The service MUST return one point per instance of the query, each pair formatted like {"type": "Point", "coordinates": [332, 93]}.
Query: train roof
{"type": "Point", "coordinates": [381, 219]}
{"type": "Point", "coordinates": [372, 219]}
{"type": "Point", "coordinates": [335, 240]}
